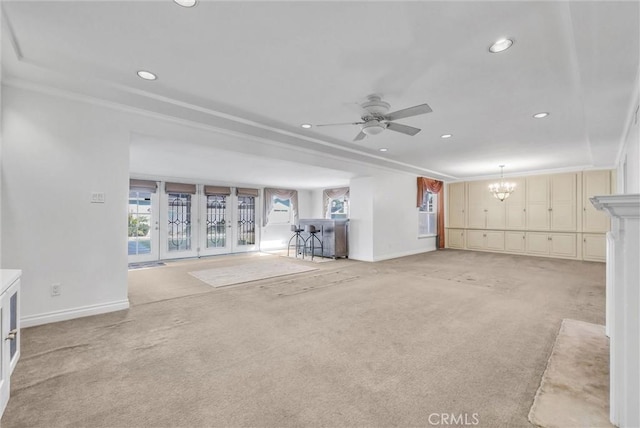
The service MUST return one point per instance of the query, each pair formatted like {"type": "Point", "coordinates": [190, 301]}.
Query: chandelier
{"type": "Point", "coordinates": [502, 190]}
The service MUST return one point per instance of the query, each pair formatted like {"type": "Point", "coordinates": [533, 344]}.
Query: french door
{"type": "Point", "coordinates": [184, 220]}
{"type": "Point", "coordinates": [143, 243]}
{"type": "Point", "coordinates": [227, 223]}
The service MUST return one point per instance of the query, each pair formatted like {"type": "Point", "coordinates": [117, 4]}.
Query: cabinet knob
{"type": "Point", "coordinates": [523, 236]}
{"type": "Point", "coordinates": [12, 335]}
{"type": "Point", "coordinates": [550, 209]}
{"type": "Point", "coordinates": [584, 209]}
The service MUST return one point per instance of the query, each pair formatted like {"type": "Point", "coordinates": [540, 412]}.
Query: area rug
{"type": "Point", "coordinates": [574, 391]}
{"type": "Point", "coordinates": [223, 276]}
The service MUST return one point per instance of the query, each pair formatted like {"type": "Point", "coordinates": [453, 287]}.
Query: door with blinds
{"type": "Point", "coordinates": [227, 220]}
{"type": "Point", "coordinates": [143, 222]}
{"type": "Point", "coordinates": [179, 221]}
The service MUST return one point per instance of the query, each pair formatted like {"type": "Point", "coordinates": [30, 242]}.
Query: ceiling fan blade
{"type": "Point", "coordinates": [398, 127]}
{"type": "Point", "coordinates": [408, 112]}
{"type": "Point", "coordinates": [338, 124]}
{"type": "Point", "coordinates": [360, 136]}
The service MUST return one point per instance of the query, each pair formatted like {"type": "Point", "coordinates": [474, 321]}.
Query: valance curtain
{"type": "Point", "coordinates": [328, 194]}
{"type": "Point", "coordinates": [180, 188]}
{"type": "Point", "coordinates": [240, 191]}
{"type": "Point", "coordinates": [217, 190]}
{"type": "Point", "coordinates": [434, 186]}
{"type": "Point", "coordinates": [292, 195]}
{"type": "Point", "coordinates": [142, 186]}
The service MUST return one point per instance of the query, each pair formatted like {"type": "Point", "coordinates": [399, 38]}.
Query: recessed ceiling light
{"type": "Point", "coordinates": [383, 150]}
{"type": "Point", "coordinates": [186, 3]}
{"type": "Point", "coordinates": [147, 75]}
{"type": "Point", "coordinates": [500, 45]}
{"type": "Point", "coordinates": [306, 125]}
{"type": "Point", "coordinates": [446, 136]}
{"type": "Point", "coordinates": [541, 115]}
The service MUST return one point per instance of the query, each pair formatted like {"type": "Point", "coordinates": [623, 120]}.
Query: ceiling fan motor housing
{"type": "Point", "coordinates": [375, 106]}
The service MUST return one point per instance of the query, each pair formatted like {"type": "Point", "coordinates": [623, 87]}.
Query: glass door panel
{"type": "Point", "coordinates": [245, 230]}
{"type": "Point", "coordinates": [217, 225]}
{"type": "Point", "coordinates": [142, 227]}
{"type": "Point", "coordinates": [178, 239]}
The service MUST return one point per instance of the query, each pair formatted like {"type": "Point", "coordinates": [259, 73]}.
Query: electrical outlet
{"type": "Point", "coordinates": [56, 289]}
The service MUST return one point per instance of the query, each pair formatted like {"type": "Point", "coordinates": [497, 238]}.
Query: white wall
{"type": "Point", "coordinates": [57, 152]}
{"type": "Point", "coordinates": [396, 218]}
{"type": "Point", "coordinates": [628, 173]}
{"type": "Point", "coordinates": [384, 219]}
{"type": "Point", "coordinates": [361, 197]}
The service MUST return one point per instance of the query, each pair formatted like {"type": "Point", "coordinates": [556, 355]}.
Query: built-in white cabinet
{"type": "Point", "coordinates": [489, 240]}
{"type": "Point", "coordinates": [562, 245]}
{"type": "Point", "coordinates": [546, 215]}
{"type": "Point", "coordinates": [9, 330]}
{"type": "Point", "coordinates": [485, 211]}
{"type": "Point", "coordinates": [456, 204]}
{"type": "Point", "coordinates": [455, 238]}
{"type": "Point", "coordinates": [515, 206]}
{"type": "Point", "coordinates": [515, 242]}
{"type": "Point", "coordinates": [594, 247]}
{"type": "Point", "coordinates": [551, 202]}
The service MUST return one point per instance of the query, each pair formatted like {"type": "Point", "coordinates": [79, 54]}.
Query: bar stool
{"type": "Point", "coordinates": [300, 242]}
{"type": "Point", "coordinates": [311, 239]}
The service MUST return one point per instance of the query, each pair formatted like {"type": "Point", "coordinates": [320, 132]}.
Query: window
{"type": "Point", "coordinates": [281, 212]}
{"type": "Point", "coordinates": [428, 215]}
{"type": "Point", "coordinates": [339, 208]}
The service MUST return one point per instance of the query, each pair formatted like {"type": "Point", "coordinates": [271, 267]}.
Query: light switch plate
{"type": "Point", "coordinates": [97, 197]}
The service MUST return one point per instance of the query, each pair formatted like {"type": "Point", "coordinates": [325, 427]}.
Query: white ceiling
{"type": "Point", "coordinates": [261, 69]}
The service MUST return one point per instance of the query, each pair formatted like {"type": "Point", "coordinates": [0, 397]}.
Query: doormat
{"type": "Point", "coordinates": [143, 265]}
{"type": "Point", "coordinates": [223, 276]}
{"type": "Point", "coordinates": [574, 391]}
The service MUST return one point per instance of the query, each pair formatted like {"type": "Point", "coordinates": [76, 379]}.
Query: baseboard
{"type": "Point", "coordinates": [67, 314]}
{"type": "Point", "coordinates": [402, 254]}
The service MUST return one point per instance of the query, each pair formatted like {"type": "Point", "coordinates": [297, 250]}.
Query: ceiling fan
{"type": "Point", "coordinates": [375, 118]}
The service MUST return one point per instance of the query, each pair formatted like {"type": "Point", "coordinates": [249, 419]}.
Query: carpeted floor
{"type": "Point", "coordinates": [574, 391]}
{"type": "Point", "coordinates": [395, 343]}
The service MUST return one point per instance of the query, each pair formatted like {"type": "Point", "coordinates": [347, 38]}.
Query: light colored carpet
{"type": "Point", "coordinates": [223, 276]}
{"type": "Point", "coordinates": [574, 391]}
{"type": "Point", "coordinates": [350, 345]}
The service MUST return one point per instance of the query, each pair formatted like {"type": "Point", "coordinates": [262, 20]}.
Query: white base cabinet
{"type": "Point", "coordinates": [9, 330]}
{"type": "Point", "coordinates": [594, 247]}
{"type": "Point", "coordinates": [455, 238]}
{"type": "Point", "coordinates": [562, 245]}
{"type": "Point", "coordinates": [487, 240]}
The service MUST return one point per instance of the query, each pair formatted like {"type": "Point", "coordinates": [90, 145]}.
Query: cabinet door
{"type": "Point", "coordinates": [514, 242]}
{"type": "Point", "coordinates": [537, 243]}
{"type": "Point", "coordinates": [537, 203]}
{"type": "Point", "coordinates": [595, 183]}
{"type": "Point", "coordinates": [456, 238]}
{"type": "Point", "coordinates": [495, 211]}
{"type": "Point", "coordinates": [563, 245]}
{"type": "Point", "coordinates": [594, 247]}
{"type": "Point", "coordinates": [476, 204]}
{"type": "Point", "coordinates": [475, 239]}
{"type": "Point", "coordinates": [563, 201]}
{"type": "Point", "coordinates": [515, 212]}
{"type": "Point", "coordinates": [455, 212]}
{"type": "Point", "coordinates": [494, 240]}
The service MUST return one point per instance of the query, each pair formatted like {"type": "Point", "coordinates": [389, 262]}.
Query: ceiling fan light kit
{"type": "Point", "coordinates": [376, 119]}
